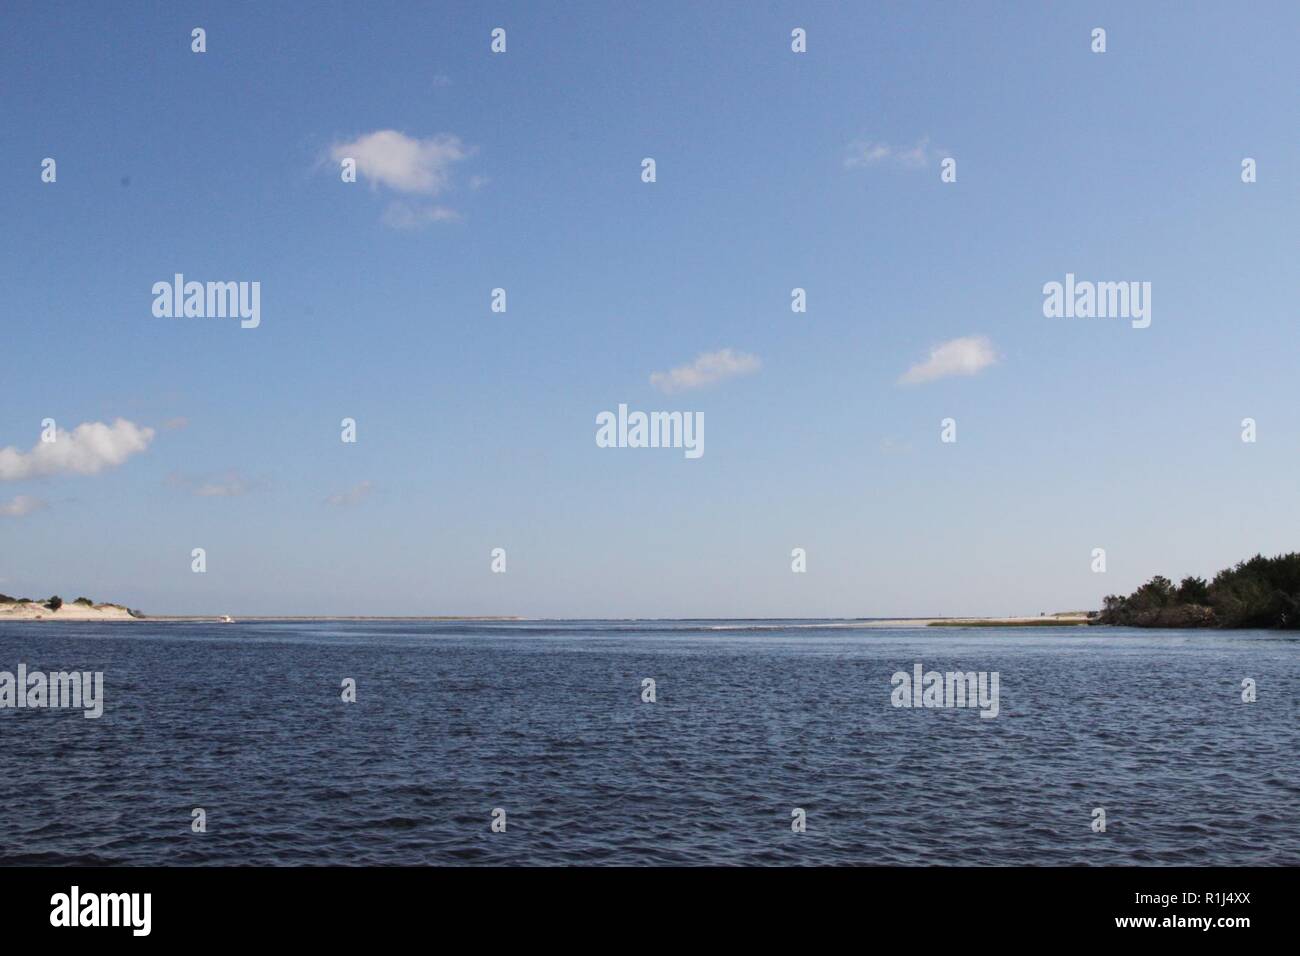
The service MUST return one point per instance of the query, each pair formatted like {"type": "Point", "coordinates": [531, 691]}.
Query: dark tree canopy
{"type": "Point", "coordinates": [1261, 592]}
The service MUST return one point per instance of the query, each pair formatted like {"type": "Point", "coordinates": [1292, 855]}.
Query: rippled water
{"type": "Point", "coordinates": [546, 721]}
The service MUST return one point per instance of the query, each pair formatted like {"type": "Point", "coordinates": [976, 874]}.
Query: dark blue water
{"type": "Point", "coordinates": [546, 721]}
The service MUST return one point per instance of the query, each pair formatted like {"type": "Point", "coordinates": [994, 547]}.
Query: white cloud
{"type": "Point", "coordinates": [354, 495]}
{"type": "Point", "coordinates": [864, 153]}
{"type": "Point", "coordinates": [707, 369]}
{"type": "Point", "coordinates": [404, 163]}
{"type": "Point", "coordinates": [229, 484]}
{"type": "Point", "coordinates": [21, 505]}
{"type": "Point", "coordinates": [402, 215]}
{"type": "Point", "coordinates": [964, 356]}
{"type": "Point", "coordinates": [86, 450]}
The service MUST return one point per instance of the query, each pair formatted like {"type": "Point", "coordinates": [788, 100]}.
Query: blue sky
{"type": "Point", "coordinates": [476, 430]}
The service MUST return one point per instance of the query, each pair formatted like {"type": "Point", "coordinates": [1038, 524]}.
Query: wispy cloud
{"type": "Point", "coordinates": [964, 356]}
{"type": "Point", "coordinates": [354, 495]}
{"type": "Point", "coordinates": [402, 215]}
{"type": "Point", "coordinates": [21, 505]}
{"type": "Point", "coordinates": [86, 450]}
{"type": "Point", "coordinates": [232, 486]}
{"type": "Point", "coordinates": [863, 153]}
{"type": "Point", "coordinates": [707, 369]}
{"type": "Point", "coordinates": [228, 484]}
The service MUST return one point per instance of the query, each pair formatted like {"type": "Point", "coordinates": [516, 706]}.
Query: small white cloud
{"type": "Point", "coordinates": [21, 505]}
{"type": "Point", "coordinates": [894, 446]}
{"type": "Point", "coordinates": [964, 356]}
{"type": "Point", "coordinates": [917, 156]}
{"type": "Point", "coordinates": [400, 215]}
{"type": "Point", "coordinates": [233, 485]}
{"type": "Point", "coordinates": [863, 153]}
{"type": "Point", "coordinates": [229, 484]}
{"type": "Point", "coordinates": [86, 450]}
{"type": "Point", "coordinates": [354, 495]}
{"type": "Point", "coordinates": [404, 163]}
{"type": "Point", "coordinates": [707, 369]}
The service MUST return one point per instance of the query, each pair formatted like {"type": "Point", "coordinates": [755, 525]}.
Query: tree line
{"type": "Point", "coordinates": [1261, 592]}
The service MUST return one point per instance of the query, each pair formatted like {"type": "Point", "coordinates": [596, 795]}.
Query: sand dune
{"type": "Point", "coordinates": [32, 611]}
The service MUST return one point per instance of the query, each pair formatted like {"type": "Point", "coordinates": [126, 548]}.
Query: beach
{"type": "Point", "coordinates": [32, 611]}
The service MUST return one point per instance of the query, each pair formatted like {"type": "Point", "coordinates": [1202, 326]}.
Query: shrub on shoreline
{"type": "Point", "coordinates": [1261, 592]}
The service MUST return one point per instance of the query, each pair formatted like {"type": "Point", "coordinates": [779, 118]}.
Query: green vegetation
{"type": "Point", "coordinates": [55, 603]}
{"type": "Point", "coordinates": [1036, 622]}
{"type": "Point", "coordinates": [1262, 592]}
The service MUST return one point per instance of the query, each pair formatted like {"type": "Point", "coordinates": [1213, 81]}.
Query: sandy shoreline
{"type": "Point", "coordinates": [68, 612]}
{"type": "Point", "coordinates": [1044, 620]}
{"type": "Point", "coordinates": [192, 618]}
{"type": "Point", "coordinates": [114, 612]}
{"type": "Point", "coordinates": [1059, 620]}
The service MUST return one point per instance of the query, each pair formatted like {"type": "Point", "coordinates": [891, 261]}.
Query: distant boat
{"type": "Point", "coordinates": [227, 619]}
